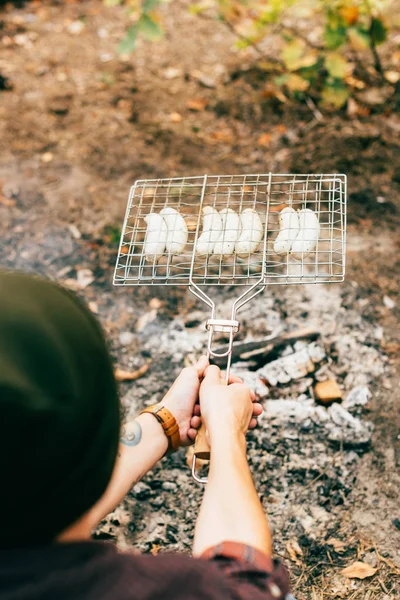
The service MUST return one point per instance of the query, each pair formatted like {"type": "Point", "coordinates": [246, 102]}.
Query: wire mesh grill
{"type": "Point", "coordinates": [267, 195]}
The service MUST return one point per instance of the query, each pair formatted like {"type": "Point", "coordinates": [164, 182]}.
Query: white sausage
{"type": "Point", "coordinates": [252, 233]}
{"type": "Point", "coordinates": [212, 227]}
{"type": "Point", "coordinates": [308, 234]}
{"type": "Point", "coordinates": [289, 229]}
{"type": "Point", "coordinates": [156, 237]}
{"type": "Point", "coordinates": [231, 227]}
{"type": "Point", "coordinates": [177, 230]}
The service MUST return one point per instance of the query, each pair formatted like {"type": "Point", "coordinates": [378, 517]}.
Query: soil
{"type": "Point", "coordinates": [79, 124]}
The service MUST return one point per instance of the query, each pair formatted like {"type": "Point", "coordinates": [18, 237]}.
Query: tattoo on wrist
{"type": "Point", "coordinates": [131, 433]}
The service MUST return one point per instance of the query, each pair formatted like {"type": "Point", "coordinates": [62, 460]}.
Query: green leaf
{"type": "Point", "coordinates": [295, 55]}
{"type": "Point", "coordinates": [150, 29]}
{"type": "Point", "coordinates": [377, 31]}
{"type": "Point", "coordinates": [335, 94]}
{"type": "Point", "coordinates": [336, 65]}
{"type": "Point", "coordinates": [334, 38]}
{"type": "Point", "coordinates": [148, 5]}
{"type": "Point", "coordinates": [242, 44]}
{"type": "Point", "coordinates": [128, 44]}
{"type": "Point", "coordinates": [199, 7]}
{"type": "Point", "coordinates": [113, 2]}
{"type": "Point", "coordinates": [281, 79]}
{"type": "Point", "coordinates": [359, 38]}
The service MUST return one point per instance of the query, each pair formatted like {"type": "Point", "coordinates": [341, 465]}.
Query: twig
{"type": "Point", "coordinates": [300, 35]}
{"type": "Point", "coordinates": [244, 38]}
{"type": "Point", "coordinates": [121, 375]}
{"type": "Point", "coordinates": [377, 60]}
{"type": "Point", "coordinates": [314, 109]}
{"type": "Point", "coordinates": [251, 43]}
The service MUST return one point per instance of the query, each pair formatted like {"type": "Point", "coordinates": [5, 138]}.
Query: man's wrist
{"type": "Point", "coordinates": [227, 437]}
{"type": "Point", "coordinates": [156, 431]}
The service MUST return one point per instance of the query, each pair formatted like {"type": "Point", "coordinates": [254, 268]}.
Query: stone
{"type": "Point", "coordinates": [358, 396]}
{"type": "Point", "coordinates": [126, 338]}
{"type": "Point", "coordinates": [169, 486]}
{"type": "Point", "coordinates": [327, 392]}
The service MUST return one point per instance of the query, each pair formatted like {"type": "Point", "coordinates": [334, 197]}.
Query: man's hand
{"type": "Point", "coordinates": [182, 397]}
{"type": "Point", "coordinates": [232, 407]}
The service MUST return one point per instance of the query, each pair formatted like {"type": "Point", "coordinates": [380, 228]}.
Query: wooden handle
{"type": "Point", "coordinates": [201, 447]}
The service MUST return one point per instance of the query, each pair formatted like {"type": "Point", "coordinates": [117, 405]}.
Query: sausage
{"type": "Point", "coordinates": [252, 233]}
{"type": "Point", "coordinates": [212, 227]}
{"type": "Point", "coordinates": [156, 237]}
{"type": "Point", "coordinates": [177, 235]}
{"type": "Point", "coordinates": [308, 235]}
{"type": "Point", "coordinates": [289, 230]}
{"type": "Point", "coordinates": [231, 229]}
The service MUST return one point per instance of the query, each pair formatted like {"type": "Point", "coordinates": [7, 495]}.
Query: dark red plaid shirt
{"type": "Point", "coordinates": [97, 571]}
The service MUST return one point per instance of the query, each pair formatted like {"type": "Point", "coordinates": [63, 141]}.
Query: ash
{"type": "Point", "coordinates": [304, 454]}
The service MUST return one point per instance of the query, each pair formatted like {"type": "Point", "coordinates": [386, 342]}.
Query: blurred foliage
{"type": "Point", "coordinates": [328, 49]}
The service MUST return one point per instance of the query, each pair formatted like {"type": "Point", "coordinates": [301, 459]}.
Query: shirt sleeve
{"type": "Point", "coordinates": [251, 574]}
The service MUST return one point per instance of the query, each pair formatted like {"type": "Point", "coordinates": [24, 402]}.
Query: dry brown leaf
{"type": "Point", "coordinates": [278, 207]}
{"type": "Point", "coordinates": [155, 303]}
{"type": "Point", "coordinates": [294, 551]}
{"type": "Point", "coordinates": [7, 201]}
{"type": "Point", "coordinates": [338, 545]}
{"type": "Point", "coordinates": [264, 140]}
{"type": "Point", "coordinates": [197, 104]}
{"type": "Point", "coordinates": [93, 307]}
{"type": "Point", "coordinates": [172, 72]}
{"type": "Point", "coordinates": [47, 157]}
{"type": "Point", "coordinates": [350, 14]}
{"type": "Point", "coordinates": [358, 570]}
{"type": "Point", "coordinates": [392, 76]}
{"type": "Point", "coordinates": [121, 375]}
{"type": "Point", "coordinates": [175, 117]}
{"type": "Point", "coordinates": [223, 136]}
{"type": "Point", "coordinates": [155, 549]}
{"type": "Point", "coordinates": [191, 223]}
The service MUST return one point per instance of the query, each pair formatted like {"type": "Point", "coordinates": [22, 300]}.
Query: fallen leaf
{"type": "Point", "coordinates": [47, 157]}
{"type": "Point", "coordinates": [224, 136]}
{"type": "Point", "coordinates": [264, 140]}
{"type": "Point", "coordinates": [175, 117]}
{"type": "Point", "coordinates": [121, 375]}
{"type": "Point", "coordinates": [350, 14]}
{"type": "Point", "coordinates": [191, 223]}
{"type": "Point", "coordinates": [338, 545]}
{"type": "Point", "coordinates": [358, 570]}
{"type": "Point", "coordinates": [155, 303]}
{"type": "Point", "coordinates": [172, 73]}
{"type": "Point", "coordinates": [280, 128]}
{"type": "Point", "coordinates": [392, 76]}
{"type": "Point", "coordinates": [294, 551]}
{"type": "Point", "coordinates": [155, 549]}
{"type": "Point", "coordinates": [388, 302]}
{"type": "Point", "coordinates": [197, 104]}
{"type": "Point", "coordinates": [93, 307]}
{"type": "Point", "coordinates": [75, 231]}
{"type": "Point", "coordinates": [204, 80]}
{"type": "Point", "coordinates": [7, 202]}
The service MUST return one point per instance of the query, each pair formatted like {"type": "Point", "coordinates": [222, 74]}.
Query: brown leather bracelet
{"type": "Point", "coordinates": [168, 422]}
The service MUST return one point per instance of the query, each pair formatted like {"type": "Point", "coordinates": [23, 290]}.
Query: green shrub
{"type": "Point", "coordinates": [328, 49]}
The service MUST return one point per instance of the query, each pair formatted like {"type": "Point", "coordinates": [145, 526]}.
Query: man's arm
{"type": "Point", "coordinates": [143, 442]}
{"type": "Point", "coordinates": [231, 510]}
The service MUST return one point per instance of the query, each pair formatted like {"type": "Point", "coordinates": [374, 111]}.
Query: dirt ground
{"type": "Point", "coordinates": [79, 126]}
